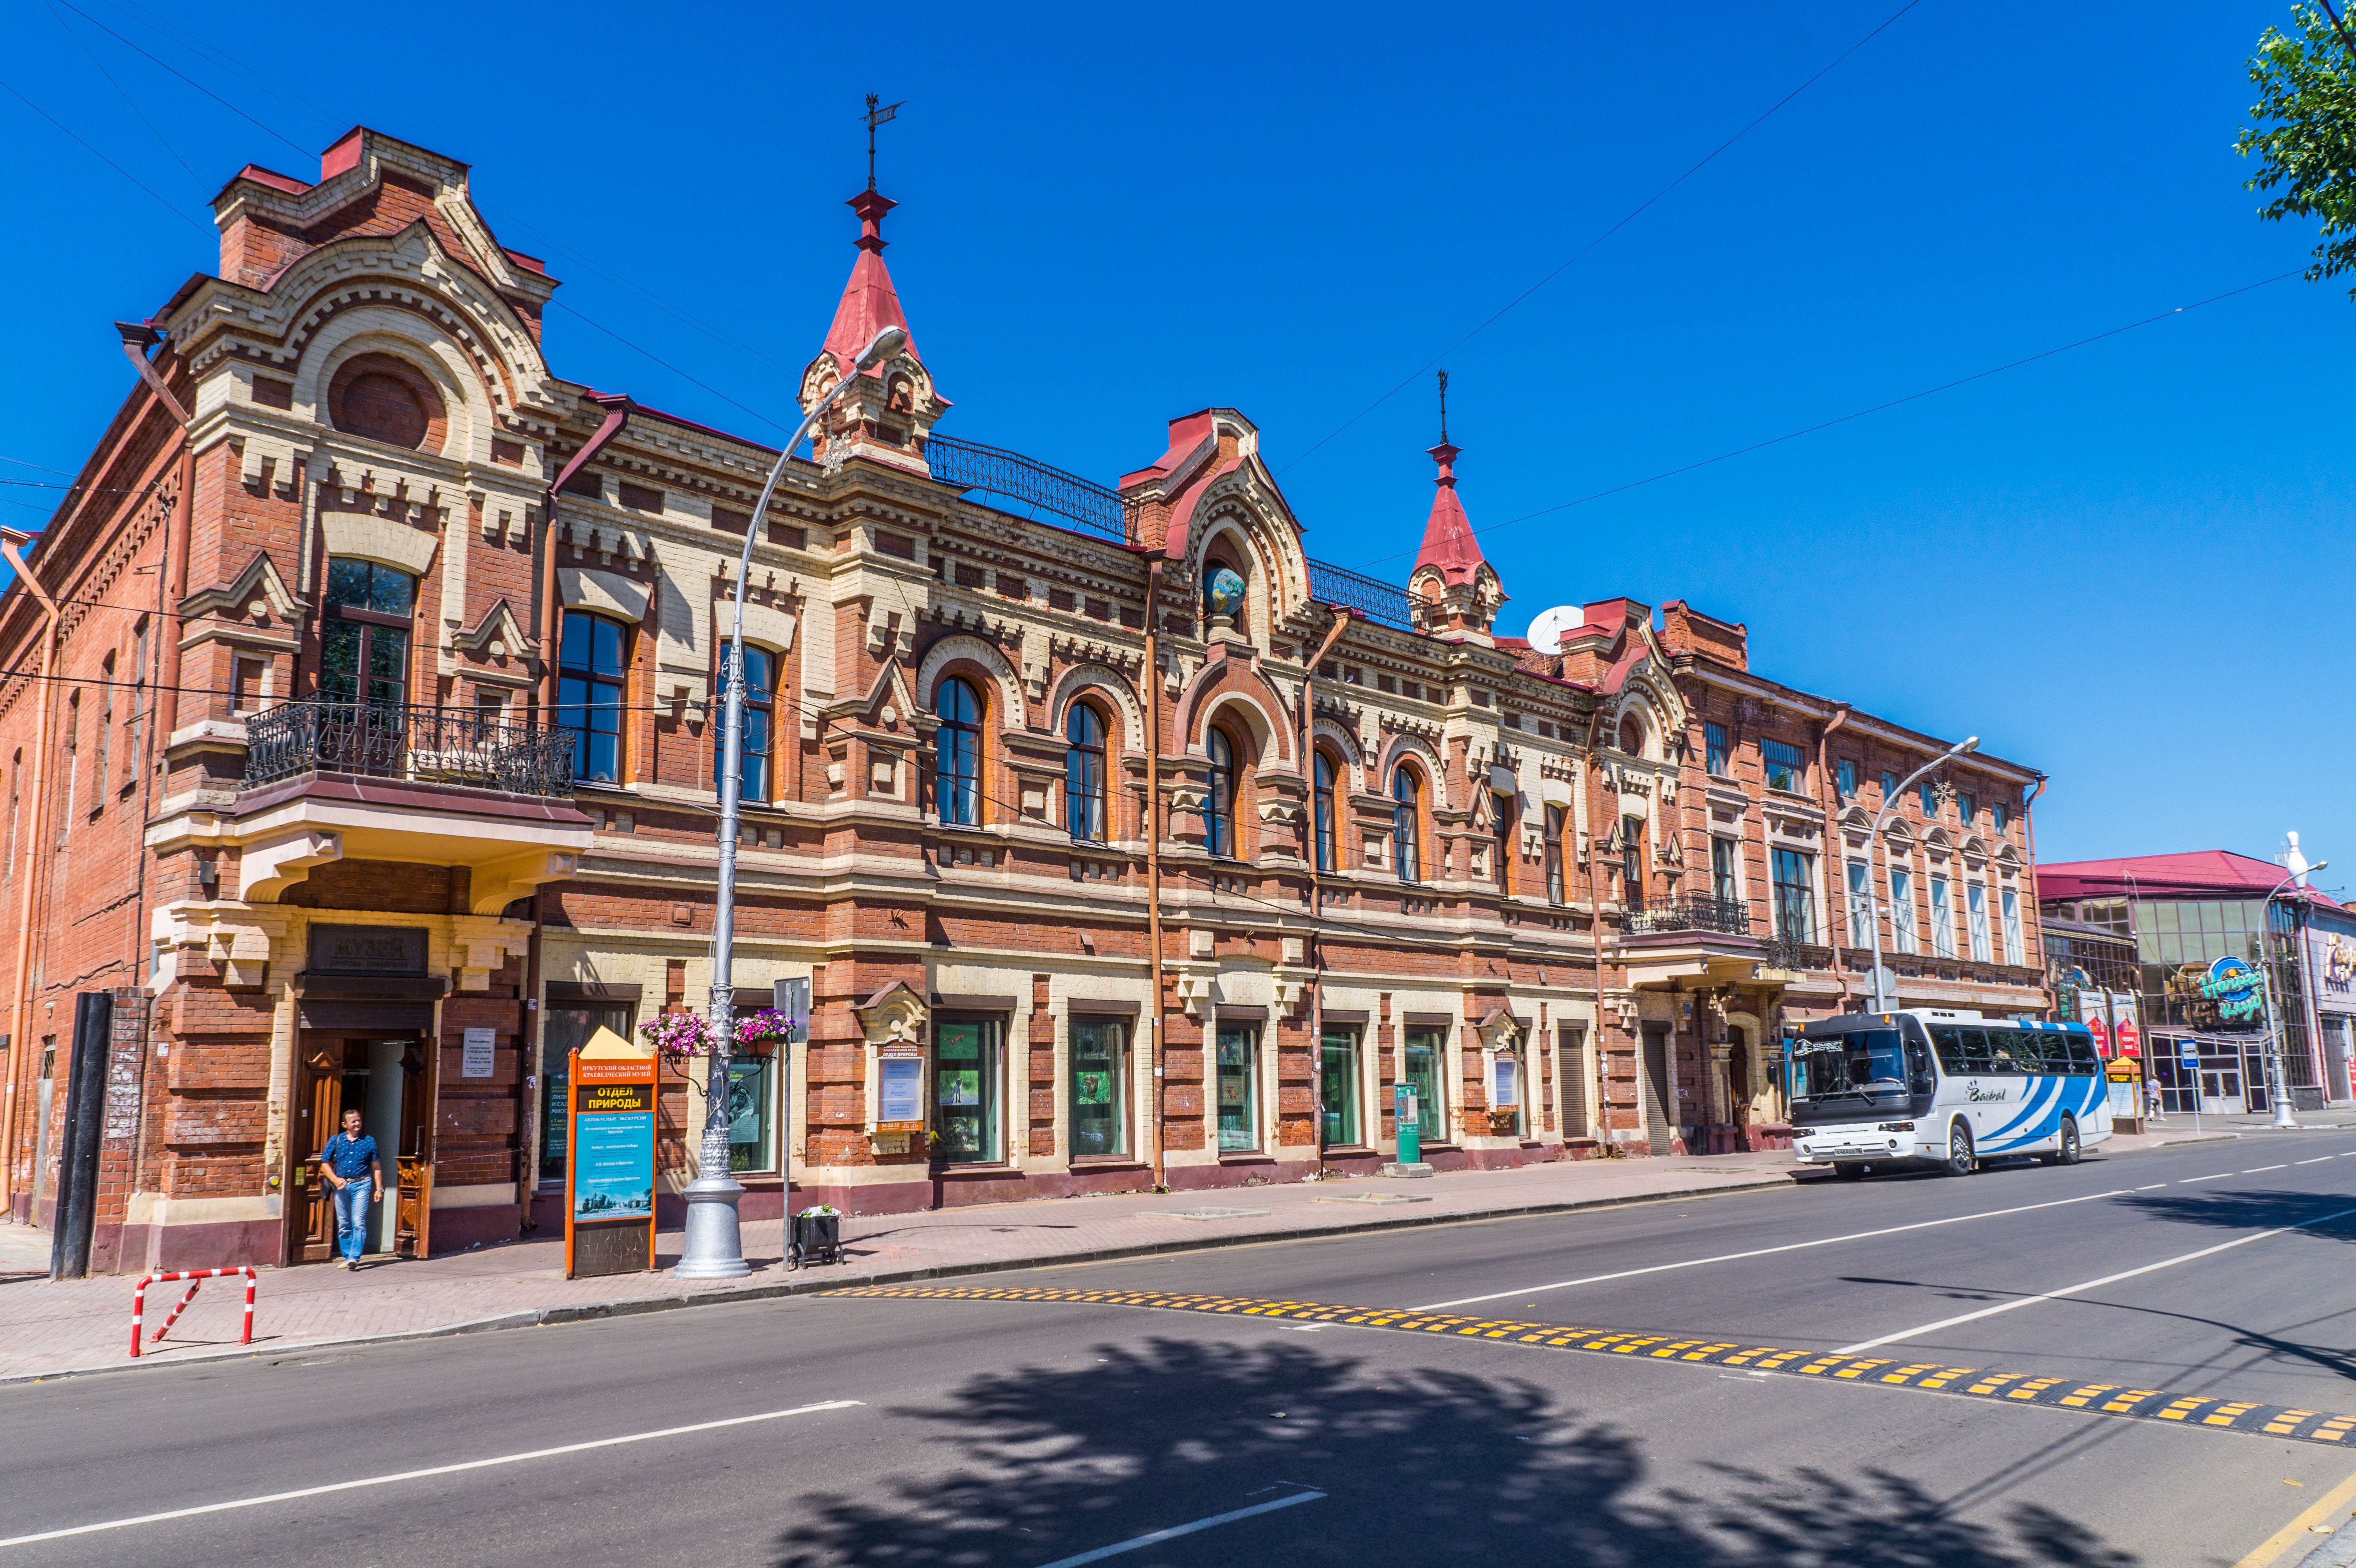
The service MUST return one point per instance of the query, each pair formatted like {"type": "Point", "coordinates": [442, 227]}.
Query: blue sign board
{"type": "Point", "coordinates": [614, 1162]}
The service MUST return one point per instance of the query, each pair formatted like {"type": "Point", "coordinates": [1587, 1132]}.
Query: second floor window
{"type": "Point", "coordinates": [1967, 806]}
{"type": "Point", "coordinates": [760, 702]}
{"type": "Point", "coordinates": [1943, 920]}
{"type": "Point", "coordinates": [1632, 860]}
{"type": "Point", "coordinates": [1930, 801]}
{"type": "Point", "coordinates": [364, 638]}
{"type": "Point", "coordinates": [956, 750]}
{"type": "Point", "coordinates": [1786, 769]}
{"type": "Point", "coordinates": [1975, 913]}
{"type": "Point", "coordinates": [589, 694]}
{"type": "Point", "coordinates": [1888, 788]}
{"type": "Point", "coordinates": [1323, 809]}
{"type": "Point", "coordinates": [1902, 908]}
{"type": "Point", "coordinates": [1845, 779]}
{"type": "Point", "coordinates": [1796, 904]}
{"type": "Point", "coordinates": [1860, 904]}
{"type": "Point", "coordinates": [1505, 849]}
{"type": "Point", "coordinates": [2001, 815]}
{"type": "Point", "coordinates": [1219, 795]}
{"type": "Point", "coordinates": [1083, 773]}
{"type": "Point", "coordinates": [1716, 756]}
{"type": "Point", "coordinates": [1722, 871]}
{"type": "Point", "coordinates": [1407, 813]}
{"type": "Point", "coordinates": [1554, 854]}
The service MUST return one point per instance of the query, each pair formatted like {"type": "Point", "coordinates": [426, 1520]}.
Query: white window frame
{"type": "Point", "coordinates": [1942, 918]}
{"type": "Point", "coordinates": [1902, 908]}
{"type": "Point", "coordinates": [2011, 910]}
{"type": "Point", "coordinates": [1860, 894]}
{"type": "Point", "coordinates": [1975, 915]}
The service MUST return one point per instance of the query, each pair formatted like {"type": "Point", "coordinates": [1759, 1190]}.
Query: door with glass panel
{"type": "Point", "coordinates": [1100, 1082]}
{"type": "Point", "coordinates": [1337, 1087]}
{"type": "Point", "coordinates": [1420, 1067]}
{"type": "Point", "coordinates": [364, 665]}
{"type": "Point", "coordinates": [966, 1070]}
{"type": "Point", "coordinates": [1238, 1088]}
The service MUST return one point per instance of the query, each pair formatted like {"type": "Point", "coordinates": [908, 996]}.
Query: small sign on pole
{"type": "Point", "coordinates": [609, 1177]}
{"type": "Point", "coordinates": [1408, 1117]}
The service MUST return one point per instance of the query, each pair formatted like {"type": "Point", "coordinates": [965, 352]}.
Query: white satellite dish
{"type": "Point", "coordinates": [1548, 630]}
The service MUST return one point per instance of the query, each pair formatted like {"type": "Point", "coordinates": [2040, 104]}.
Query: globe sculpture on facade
{"type": "Point", "coordinates": [1222, 594]}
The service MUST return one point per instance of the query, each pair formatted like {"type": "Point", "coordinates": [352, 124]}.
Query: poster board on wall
{"type": "Point", "coordinates": [609, 1169]}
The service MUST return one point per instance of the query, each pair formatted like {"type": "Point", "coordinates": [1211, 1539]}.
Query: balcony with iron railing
{"type": "Point", "coordinates": [393, 740]}
{"type": "Point", "coordinates": [1730, 917]}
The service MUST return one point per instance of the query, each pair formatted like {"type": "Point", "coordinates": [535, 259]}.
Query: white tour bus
{"type": "Point", "coordinates": [1934, 1087]}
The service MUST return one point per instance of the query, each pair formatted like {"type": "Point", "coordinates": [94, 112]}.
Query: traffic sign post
{"type": "Point", "coordinates": [2188, 1053]}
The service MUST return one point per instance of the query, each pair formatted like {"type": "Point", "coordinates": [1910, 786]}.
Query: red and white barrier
{"type": "Point", "coordinates": [198, 1276]}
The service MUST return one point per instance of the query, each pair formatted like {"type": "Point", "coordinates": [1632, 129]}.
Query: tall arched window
{"type": "Point", "coordinates": [760, 700]}
{"type": "Point", "coordinates": [364, 639]}
{"type": "Point", "coordinates": [1321, 772]}
{"type": "Point", "coordinates": [1219, 797]}
{"type": "Point", "coordinates": [589, 694]}
{"type": "Point", "coordinates": [1554, 854]}
{"type": "Point", "coordinates": [957, 748]}
{"type": "Point", "coordinates": [1503, 804]}
{"type": "Point", "coordinates": [1407, 821]}
{"type": "Point", "coordinates": [1083, 773]}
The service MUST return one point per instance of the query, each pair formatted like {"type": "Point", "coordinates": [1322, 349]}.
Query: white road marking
{"type": "Point", "coordinates": [2153, 1187]}
{"type": "Point", "coordinates": [2089, 1285]}
{"type": "Point", "coordinates": [2256, 1168]}
{"type": "Point", "coordinates": [2210, 1177]}
{"type": "Point", "coordinates": [1101, 1552]}
{"type": "Point", "coordinates": [422, 1475]}
{"type": "Point", "coordinates": [2318, 1160]}
{"type": "Point", "coordinates": [1766, 1252]}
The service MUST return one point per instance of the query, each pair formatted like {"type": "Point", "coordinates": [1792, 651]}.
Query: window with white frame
{"type": "Point", "coordinates": [2012, 947]}
{"type": "Point", "coordinates": [1975, 912]}
{"type": "Point", "coordinates": [1902, 908]}
{"type": "Point", "coordinates": [1860, 912]}
{"type": "Point", "coordinates": [1943, 919]}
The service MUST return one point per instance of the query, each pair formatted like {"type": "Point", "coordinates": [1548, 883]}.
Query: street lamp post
{"type": "Point", "coordinates": [713, 1245]}
{"type": "Point", "coordinates": [2277, 1068]}
{"type": "Point", "coordinates": [1881, 1001]}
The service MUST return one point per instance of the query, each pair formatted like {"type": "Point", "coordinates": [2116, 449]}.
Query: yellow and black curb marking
{"type": "Point", "coordinates": [2105, 1399]}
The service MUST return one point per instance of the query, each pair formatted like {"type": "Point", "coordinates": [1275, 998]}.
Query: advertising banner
{"type": "Point", "coordinates": [2126, 1032]}
{"type": "Point", "coordinates": [609, 1179]}
{"type": "Point", "coordinates": [2094, 1013]}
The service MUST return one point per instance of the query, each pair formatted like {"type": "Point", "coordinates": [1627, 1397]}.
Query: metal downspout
{"type": "Point", "coordinates": [1308, 759]}
{"type": "Point", "coordinates": [1153, 854]}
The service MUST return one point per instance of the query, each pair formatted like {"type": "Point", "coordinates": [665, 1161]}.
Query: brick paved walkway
{"type": "Point", "coordinates": [82, 1325]}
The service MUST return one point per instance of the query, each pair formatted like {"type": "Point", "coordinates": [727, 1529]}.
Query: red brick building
{"type": "Point", "coordinates": [360, 749]}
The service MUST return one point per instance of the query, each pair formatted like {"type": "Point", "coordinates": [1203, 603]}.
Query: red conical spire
{"type": "Point", "coordinates": [870, 302]}
{"type": "Point", "coordinates": [1449, 546]}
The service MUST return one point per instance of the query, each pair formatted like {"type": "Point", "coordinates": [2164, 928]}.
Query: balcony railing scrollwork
{"type": "Point", "coordinates": [1726, 917]}
{"type": "Point", "coordinates": [392, 741]}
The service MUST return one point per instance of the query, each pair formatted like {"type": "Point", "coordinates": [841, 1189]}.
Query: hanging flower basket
{"type": "Point", "coordinates": [759, 1034]}
{"type": "Point", "coordinates": [678, 1035]}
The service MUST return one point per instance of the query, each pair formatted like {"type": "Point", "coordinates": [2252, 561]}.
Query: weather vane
{"type": "Point", "coordinates": [1443, 407]}
{"type": "Point", "coordinates": [875, 117]}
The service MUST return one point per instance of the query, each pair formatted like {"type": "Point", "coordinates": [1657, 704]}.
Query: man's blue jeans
{"type": "Point", "coordinates": [352, 1201]}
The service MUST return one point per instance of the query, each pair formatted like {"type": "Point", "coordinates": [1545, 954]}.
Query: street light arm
{"type": "Point", "coordinates": [1881, 1000]}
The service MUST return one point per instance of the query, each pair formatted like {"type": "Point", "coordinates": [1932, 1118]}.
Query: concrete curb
{"type": "Point", "coordinates": [594, 1311]}
{"type": "Point", "coordinates": [2339, 1551]}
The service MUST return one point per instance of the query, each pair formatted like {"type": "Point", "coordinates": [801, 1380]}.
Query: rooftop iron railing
{"type": "Point", "coordinates": [970, 465]}
{"type": "Point", "coordinates": [1377, 601]}
{"type": "Point", "coordinates": [392, 740]}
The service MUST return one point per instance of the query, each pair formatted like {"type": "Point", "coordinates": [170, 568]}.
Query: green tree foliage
{"type": "Point", "coordinates": [2304, 134]}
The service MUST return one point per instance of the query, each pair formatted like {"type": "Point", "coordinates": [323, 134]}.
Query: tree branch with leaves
{"type": "Point", "coordinates": [2304, 131]}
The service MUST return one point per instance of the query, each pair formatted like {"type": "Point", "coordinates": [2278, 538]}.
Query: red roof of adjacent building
{"type": "Point", "coordinates": [2195, 872]}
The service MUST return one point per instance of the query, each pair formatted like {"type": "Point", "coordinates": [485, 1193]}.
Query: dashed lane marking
{"type": "Point", "coordinates": [2261, 1169]}
{"type": "Point", "coordinates": [2207, 1412]}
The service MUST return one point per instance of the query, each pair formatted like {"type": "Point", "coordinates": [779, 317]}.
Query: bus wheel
{"type": "Point", "coordinates": [1959, 1151]}
{"type": "Point", "coordinates": [1849, 1171]}
{"type": "Point", "coordinates": [2068, 1152]}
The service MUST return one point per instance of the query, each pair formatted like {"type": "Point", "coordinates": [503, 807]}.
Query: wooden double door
{"type": "Point", "coordinates": [389, 1080]}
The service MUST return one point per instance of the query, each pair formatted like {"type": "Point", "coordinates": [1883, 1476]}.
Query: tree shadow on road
{"type": "Point", "coordinates": [1038, 1464]}
{"type": "Point", "coordinates": [2256, 1209]}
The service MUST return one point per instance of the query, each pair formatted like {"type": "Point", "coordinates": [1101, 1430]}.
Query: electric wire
{"type": "Point", "coordinates": [1629, 217]}
{"type": "Point", "coordinates": [129, 102]}
{"type": "Point", "coordinates": [102, 158]}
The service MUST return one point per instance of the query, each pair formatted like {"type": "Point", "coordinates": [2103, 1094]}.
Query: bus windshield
{"type": "Point", "coordinates": [1860, 1068]}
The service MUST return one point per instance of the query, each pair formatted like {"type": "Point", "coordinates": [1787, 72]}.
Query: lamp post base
{"type": "Point", "coordinates": [713, 1247]}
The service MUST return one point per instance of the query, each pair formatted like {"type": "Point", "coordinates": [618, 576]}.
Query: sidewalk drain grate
{"type": "Point", "coordinates": [1205, 1213]}
{"type": "Point", "coordinates": [1374, 1198]}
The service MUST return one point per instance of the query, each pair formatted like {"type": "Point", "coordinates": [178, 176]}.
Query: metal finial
{"type": "Point", "coordinates": [875, 117]}
{"type": "Point", "coordinates": [1443, 407]}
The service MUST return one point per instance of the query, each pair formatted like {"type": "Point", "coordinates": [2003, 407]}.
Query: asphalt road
{"type": "Point", "coordinates": [978, 1434]}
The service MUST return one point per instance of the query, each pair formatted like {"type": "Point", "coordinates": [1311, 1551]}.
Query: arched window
{"type": "Point", "coordinates": [957, 747]}
{"type": "Point", "coordinates": [1631, 735]}
{"type": "Point", "coordinates": [1406, 822]}
{"type": "Point", "coordinates": [760, 702]}
{"type": "Point", "coordinates": [1219, 797]}
{"type": "Point", "coordinates": [1554, 854]}
{"type": "Point", "coordinates": [1322, 771]}
{"type": "Point", "coordinates": [364, 640]}
{"type": "Point", "coordinates": [1083, 773]}
{"type": "Point", "coordinates": [1503, 804]}
{"type": "Point", "coordinates": [589, 694]}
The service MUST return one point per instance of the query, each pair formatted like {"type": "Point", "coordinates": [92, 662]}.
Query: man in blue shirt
{"type": "Point", "coordinates": [349, 1164]}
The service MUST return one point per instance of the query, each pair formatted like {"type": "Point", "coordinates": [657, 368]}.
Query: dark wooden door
{"type": "Point", "coordinates": [413, 1219]}
{"type": "Point", "coordinates": [318, 1109]}
{"type": "Point", "coordinates": [1657, 1102]}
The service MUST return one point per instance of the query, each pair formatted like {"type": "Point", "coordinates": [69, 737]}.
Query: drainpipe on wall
{"type": "Point", "coordinates": [1829, 798]}
{"type": "Point", "coordinates": [29, 858]}
{"type": "Point", "coordinates": [1153, 851]}
{"type": "Point", "coordinates": [1307, 754]}
{"type": "Point", "coordinates": [1595, 935]}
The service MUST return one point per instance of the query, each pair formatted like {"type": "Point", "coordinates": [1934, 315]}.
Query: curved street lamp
{"type": "Point", "coordinates": [1881, 1001]}
{"type": "Point", "coordinates": [2277, 1068]}
{"type": "Point", "coordinates": [714, 1246]}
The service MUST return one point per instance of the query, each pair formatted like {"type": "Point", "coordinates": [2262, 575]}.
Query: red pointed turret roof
{"type": "Point", "coordinates": [1448, 546]}
{"type": "Point", "coordinates": [870, 302]}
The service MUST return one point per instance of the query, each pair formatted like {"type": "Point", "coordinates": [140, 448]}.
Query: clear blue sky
{"type": "Point", "coordinates": [2127, 566]}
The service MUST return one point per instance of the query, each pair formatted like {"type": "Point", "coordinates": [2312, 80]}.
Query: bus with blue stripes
{"type": "Point", "coordinates": [1943, 1089]}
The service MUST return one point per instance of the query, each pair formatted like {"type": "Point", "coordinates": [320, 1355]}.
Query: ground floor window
{"type": "Point", "coordinates": [1100, 1087]}
{"type": "Point", "coordinates": [1337, 1086]}
{"type": "Point", "coordinates": [1507, 1092]}
{"type": "Point", "coordinates": [1238, 1088]}
{"type": "Point", "coordinates": [752, 1114]}
{"type": "Point", "coordinates": [567, 1030]}
{"type": "Point", "coordinates": [965, 1120]}
{"type": "Point", "coordinates": [1420, 1071]}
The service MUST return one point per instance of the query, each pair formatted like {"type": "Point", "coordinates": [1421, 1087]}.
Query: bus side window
{"type": "Point", "coordinates": [2027, 1051]}
{"type": "Point", "coordinates": [2083, 1059]}
{"type": "Point", "coordinates": [1948, 1041]}
{"type": "Point", "coordinates": [1977, 1058]}
{"type": "Point", "coordinates": [1918, 1069]}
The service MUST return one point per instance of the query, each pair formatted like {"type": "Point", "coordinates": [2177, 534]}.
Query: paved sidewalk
{"type": "Point", "coordinates": [51, 1328]}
